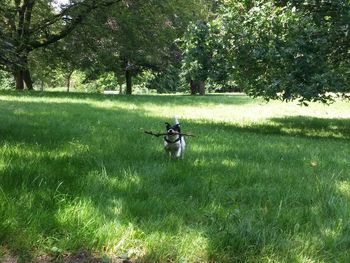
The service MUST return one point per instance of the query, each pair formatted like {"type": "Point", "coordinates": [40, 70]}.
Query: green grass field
{"type": "Point", "coordinates": [262, 182]}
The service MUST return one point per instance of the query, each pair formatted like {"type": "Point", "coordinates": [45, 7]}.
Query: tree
{"type": "Point", "coordinates": [32, 24]}
{"type": "Point", "coordinates": [127, 39]}
{"type": "Point", "coordinates": [7, 55]}
{"type": "Point", "coordinates": [135, 36]}
{"type": "Point", "coordinates": [196, 56]}
{"type": "Point", "coordinates": [166, 81]}
{"type": "Point", "coordinates": [144, 33]}
{"type": "Point", "coordinates": [52, 64]}
{"type": "Point", "coordinates": [199, 45]}
{"type": "Point", "coordinates": [287, 49]}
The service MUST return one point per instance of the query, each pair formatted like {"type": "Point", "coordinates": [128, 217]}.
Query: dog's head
{"type": "Point", "coordinates": [172, 129]}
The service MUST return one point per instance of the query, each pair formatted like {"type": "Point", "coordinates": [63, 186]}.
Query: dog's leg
{"type": "Point", "coordinates": [182, 147]}
{"type": "Point", "coordinates": [167, 152]}
{"type": "Point", "coordinates": [178, 153]}
{"type": "Point", "coordinates": [182, 153]}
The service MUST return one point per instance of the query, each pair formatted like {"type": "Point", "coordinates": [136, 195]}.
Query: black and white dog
{"type": "Point", "coordinates": [174, 142]}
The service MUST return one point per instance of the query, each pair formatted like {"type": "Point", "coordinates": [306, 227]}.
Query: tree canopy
{"type": "Point", "coordinates": [275, 49]}
{"type": "Point", "coordinates": [32, 24]}
{"type": "Point", "coordinates": [286, 49]}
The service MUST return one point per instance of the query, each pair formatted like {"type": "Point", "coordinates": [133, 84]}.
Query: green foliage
{"type": "Point", "coordinates": [105, 81]}
{"type": "Point", "coordinates": [29, 25]}
{"type": "Point", "coordinates": [6, 81]}
{"type": "Point", "coordinates": [168, 81]}
{"type": "Point", "coordinates": [275, 49]}
{"type": "Point", "coordinates": [204, 59]}
{"type": "Point", "coordinates": [6, 51]}
{"type": "Point", "coordinates": [196, 52]}
{"type": "Point", "coordinates": [286, 50]}
{"type": "Point", "coordinates": [133, 36]}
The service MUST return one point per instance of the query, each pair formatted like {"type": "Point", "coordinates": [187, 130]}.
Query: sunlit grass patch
{"type": "Point", "coordinates": [260, 182]}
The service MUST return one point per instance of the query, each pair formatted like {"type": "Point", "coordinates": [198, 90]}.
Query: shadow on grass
{"type": "Point", "coordinates": [296, 126]}
{"type": "Point", "coordinates": [75, 257]}
{"type": "Point", "coordinates": [185, 100]}
{"type": "Point", "coordinates": [70, 170]}
{"type": "Point", "coordinates": [314, 127]}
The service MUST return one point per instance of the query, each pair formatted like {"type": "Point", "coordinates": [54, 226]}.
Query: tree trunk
{"type": "Point", "coordinates": [120, 83]}
{"type": "Point", "coordinates": [69, 77]}
{"type": "Point", "coordinates": [42, 85]}
{"type": "Point", "coordinates": [197, 87]}
{"type": "Point", "coordinates": [128, 78]}
{"type": "Point", "coordinates": [68, 83]}
{"type": "Point", "coordinates": [18, 75]}
{"type": "Point", "coordinates": [201, 88]}
{"type": "Point", "coordinates": [27, 79]}
{"type": "Point", "coordinates": [193, 87]}
{"type": "Point", "coordinates": [22, 75]}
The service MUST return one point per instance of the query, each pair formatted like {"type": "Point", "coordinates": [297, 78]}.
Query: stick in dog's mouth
{"type": "Point", "coordinates": [173, 133]}
{"type": "Point", "coordinates": [160, 134]}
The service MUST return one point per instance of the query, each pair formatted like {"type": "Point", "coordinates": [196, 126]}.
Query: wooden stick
{"type": "Point", "coordinates": [160, 134]}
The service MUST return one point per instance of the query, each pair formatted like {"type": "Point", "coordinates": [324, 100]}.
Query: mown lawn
{"type": "Point", "coordinates": [261, 182]}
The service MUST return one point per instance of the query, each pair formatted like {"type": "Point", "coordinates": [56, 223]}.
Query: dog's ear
{"type": "Point", "coordinates": [168, 126]}
{"type": "Point", "coordinates": [178, 127]}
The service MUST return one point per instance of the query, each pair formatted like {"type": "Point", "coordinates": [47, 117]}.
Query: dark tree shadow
{"type": "Point", "coordinates": [298, 126]}
{"type": "Point", "coordinates": [185, 100]}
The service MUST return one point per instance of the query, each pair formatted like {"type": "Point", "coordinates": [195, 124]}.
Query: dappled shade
{"type": "Point", "coordinates": [78, 174]}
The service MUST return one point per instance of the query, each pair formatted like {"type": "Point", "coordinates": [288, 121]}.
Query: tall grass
{"type": "Point", "coordinates": [261, 182]}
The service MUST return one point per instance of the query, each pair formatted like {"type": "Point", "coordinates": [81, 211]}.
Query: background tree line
{"type": "Point", "coordinates": [275, 49]}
